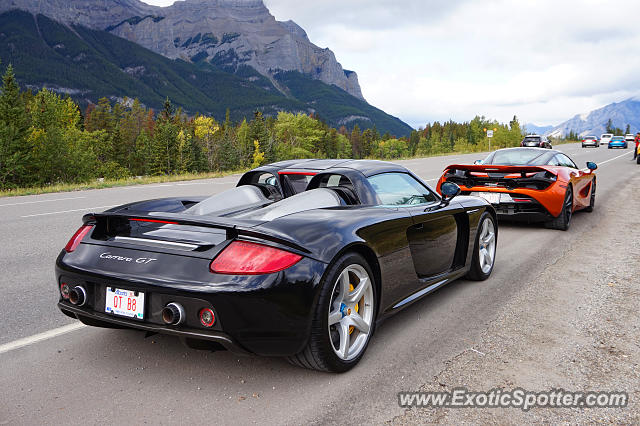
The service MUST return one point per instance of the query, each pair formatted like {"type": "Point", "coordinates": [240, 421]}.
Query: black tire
{"type": "Point", "coordinates": [475, 272]}
{"type": "Point", "coordinates": [319, 353]}
{"type": "Point", "coordinates": [638, 159]}
{"type": "Point", "coordinates": [592, 201]}
{"type": "Point", "coordinates": [563, 221]}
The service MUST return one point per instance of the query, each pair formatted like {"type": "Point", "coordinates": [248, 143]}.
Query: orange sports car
{"type": "Point", "coordinates": [533, 184]}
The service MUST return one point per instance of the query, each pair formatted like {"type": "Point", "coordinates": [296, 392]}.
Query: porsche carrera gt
{"type": "Point", "coordinates": [302, 259]}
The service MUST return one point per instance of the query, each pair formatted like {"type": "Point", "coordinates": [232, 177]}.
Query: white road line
{"type": "Point", "coordinates": [193, 183]}
{"type": "Point", "coordinates": [614, 158]}
{"type": "Point", "coordinates": [41, 201]}
{"type": "Point", "coordinates": [69, 211]}
{"type": "Point", "coordinates": [26, 341]}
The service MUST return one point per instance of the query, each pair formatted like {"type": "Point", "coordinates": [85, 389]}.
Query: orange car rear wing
{"type": "Point", "coordinates": [489, 168]}
{"type": "Point", "coordinates": [509, 177]}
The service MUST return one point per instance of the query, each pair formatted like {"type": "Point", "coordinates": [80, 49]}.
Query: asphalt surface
{"type": "Point", "coordinates": [87, 375]}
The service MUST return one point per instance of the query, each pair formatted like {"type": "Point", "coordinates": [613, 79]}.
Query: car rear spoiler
{"type": "Point", "coordinates": [234, 227]}
{"type": "Point", "coordinates": [481, 175]}
{"type": "Point", "coordinates": [489, 168]}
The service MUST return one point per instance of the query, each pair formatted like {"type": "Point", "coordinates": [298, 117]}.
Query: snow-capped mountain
{"type": "Point", "coordinates": [539, 130]}
{"type": "Point", "coordinates": [594, 123]}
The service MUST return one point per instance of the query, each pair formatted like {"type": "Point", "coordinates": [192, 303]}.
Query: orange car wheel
{"type": "Point", "coordinates": [563, 221]}
{"type": "Point", "coordinates": [592, 202]}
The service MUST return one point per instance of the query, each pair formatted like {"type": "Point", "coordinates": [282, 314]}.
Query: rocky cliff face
{"type": "Point", "coordinates": [226, 33]}
{"type": "Point", "coordinates": [97, 14]}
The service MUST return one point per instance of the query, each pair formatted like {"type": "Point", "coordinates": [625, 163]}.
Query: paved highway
{"type": "Point", "coordinates": [78, 375]}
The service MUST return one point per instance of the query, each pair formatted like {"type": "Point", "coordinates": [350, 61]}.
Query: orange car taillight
{"type": "Point", "coordinates": [244, 258]}
{"type": "Point", "coordinates": [77, 237]}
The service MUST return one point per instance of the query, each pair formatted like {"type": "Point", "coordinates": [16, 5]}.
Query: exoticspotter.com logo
{"type": "Point", "coordinates": [516, 398]}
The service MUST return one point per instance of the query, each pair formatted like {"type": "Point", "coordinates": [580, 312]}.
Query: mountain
{"type": "Point", "coordinates": [226, 33]}
{"type": "Point", "coordinates": [595, 122]}
{"type": "Point", "coordinates": [88, 64]}
{"type": "Point", "coordinates": [538, 130]}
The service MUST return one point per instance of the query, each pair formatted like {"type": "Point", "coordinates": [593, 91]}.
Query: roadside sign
{"type": "Point", "coordinates": [489, 133]}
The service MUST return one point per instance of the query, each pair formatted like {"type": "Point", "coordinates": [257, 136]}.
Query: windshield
{"type": "Point", "coordinates": [532, 139]}
{"type": "Point", "coordinates": [518, 157]}
{"type": "Point", "coordinates": [400, 189]}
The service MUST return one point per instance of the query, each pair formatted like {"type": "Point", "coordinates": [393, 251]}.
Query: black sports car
{"type": "Point", "coordinates": [302, 259]}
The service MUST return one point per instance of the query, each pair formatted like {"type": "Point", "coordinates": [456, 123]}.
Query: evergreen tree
{"type": "Point", "coordinates": [414, 140]}
{"type": "Point", "coordinates": [245, 143]}
{"type": "Point", "coordinates": [165, 148]}
{"type": "Point", "coordinates": [356, 142]}
{"type": "Point", "coordinates": [609, 127]}
{"type": "Point", "coordinates": [14, 126]}
{"type": "Point", "coordinates": [260, 132]}
{"type": "Point", "coordinates": [368, 142]}
{"type": "Point", "coordinates": [167, 110]}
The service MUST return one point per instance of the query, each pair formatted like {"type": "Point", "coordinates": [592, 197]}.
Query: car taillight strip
{"type": "Point", "coordinates": [298, 173]}
{"type": "Point", "coordinates": [154, 221]}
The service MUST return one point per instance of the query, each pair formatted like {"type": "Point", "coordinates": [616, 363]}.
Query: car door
{"type": "Point", "coordinates": [433, 239]}
{"type": "Point", "coordinates": [433, 232]}
{"type": "Point", "coordinates": [580, 181]}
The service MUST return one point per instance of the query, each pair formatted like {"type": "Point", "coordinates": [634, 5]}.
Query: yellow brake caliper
{"type": "Point", "coordinates": [357, 308]}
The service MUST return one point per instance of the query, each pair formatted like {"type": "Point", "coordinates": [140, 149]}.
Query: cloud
{"type": "Point", "coordinates": [542, 60]}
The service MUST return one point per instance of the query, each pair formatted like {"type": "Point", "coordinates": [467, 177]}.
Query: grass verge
{"type": "Point", "coordinates": [144, 180]}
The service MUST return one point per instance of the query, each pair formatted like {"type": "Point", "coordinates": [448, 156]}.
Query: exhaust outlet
{"type": "Point", "coordinates": [78, 296]}
{"type": "Point", "coordinates": [173, 314]}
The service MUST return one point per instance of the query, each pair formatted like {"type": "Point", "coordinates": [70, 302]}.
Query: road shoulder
{"type": "Point", "coordinates": [574, 327]}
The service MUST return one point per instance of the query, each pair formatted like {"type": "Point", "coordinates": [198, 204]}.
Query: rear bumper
{"type": "Point", "coordinates": [517, 212]}
{"type": "Point", "coordinates": [523, 207]}
{"type": "Point", "coordinates": [267, 315]}
{"type": "Point", "coordinates": [617, 145]}
{"type": "Point", "coordinates": [190, 338]}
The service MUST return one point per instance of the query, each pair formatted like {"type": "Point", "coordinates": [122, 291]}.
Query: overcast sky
{"type": "Point", "coordinates": [426, 60]}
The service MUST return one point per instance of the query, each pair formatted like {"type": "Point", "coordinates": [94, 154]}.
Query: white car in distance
{"type": "Point", "coordinates": [605, 138]}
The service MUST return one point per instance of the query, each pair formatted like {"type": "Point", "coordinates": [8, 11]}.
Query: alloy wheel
{"type": "Point", "coordinates": [487, 245]}
{"type": "Point", "coordinates": [351, 312]}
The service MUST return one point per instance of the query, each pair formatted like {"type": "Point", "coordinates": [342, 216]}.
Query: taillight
{"type": "Point", "coordinates": [153, 221]}
{"type": "Point", "coordinates": [77, 237]}
{"type": "Point", "coordinates": [244, 258]}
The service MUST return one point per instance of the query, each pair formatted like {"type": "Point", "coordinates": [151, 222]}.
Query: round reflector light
{"type": "Point", "coordinates": [207, 317]}
{"type": "Point", "coordinates": [64, 290]}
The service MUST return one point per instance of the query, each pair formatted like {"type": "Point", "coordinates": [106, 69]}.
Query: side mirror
{"type": "Point", "coordinates": [449, 191]}
{"type": "Point", "coordinates": [591, 165]}
{"type": "Point", "coordinates": [478, 162]}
